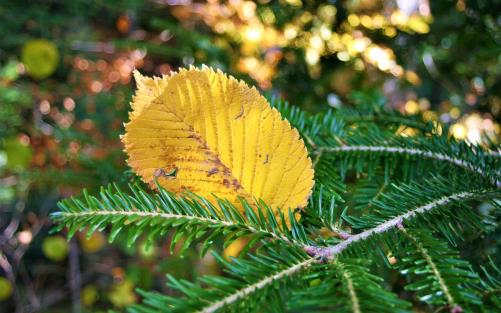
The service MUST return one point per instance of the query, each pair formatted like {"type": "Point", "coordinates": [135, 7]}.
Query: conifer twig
{"type": "Point", "coordinates": [441, 282]}
{"type": "Point", "coordinates": [201, 219]}
{"type": "Point", "coordinates": [346, 277]}
{"type": "Point", "coordinates": [239, 294]}
{"type": "Point", "coordinates": [331, 252]}
{"type": "Point", "coordinates": [413, 151]}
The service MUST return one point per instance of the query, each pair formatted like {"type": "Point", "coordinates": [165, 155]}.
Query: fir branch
{"type": "Point", "coordinates": [412, 152]}
{"type": "Point", "coordinates": [168, 217]}
{"type": "Point", "coordinates": [193, 217]}
{"type": "Point", "coordinates": [259, 285]}
{"type": "Point", "coordinates": [329, 136]}
{"type": "Point", "coordinates": [331, 132]}
{"type": "Point", "coordinates": [248, 284]}
{"type": "Point", "coordinates": [348, 282]}
{"type": "Point", "coordinates": [399, 198]}
{"type": "Point", "coordinates": [332, 252]}
{"type": "Point", "coordinates": [436, 272]}
{"type": "Point", "coordinates": [441, 282]}
{"type": "Point", "coordinates": [344, 286]}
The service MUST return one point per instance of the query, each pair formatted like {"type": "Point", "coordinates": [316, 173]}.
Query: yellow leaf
{"type": "Point", "coordinates": [202, 130]}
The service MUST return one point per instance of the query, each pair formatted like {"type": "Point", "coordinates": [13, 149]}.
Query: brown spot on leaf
{"type": "Point", "coordinates": [212, 171]}
{"type": "Point", "coordinates": [266, 159]}
{"type": "Point", "coordinates": [160, 172]}
{"type": "Point", "coordinates": [236, 184]}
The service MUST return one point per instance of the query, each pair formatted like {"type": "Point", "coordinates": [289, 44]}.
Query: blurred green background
{"type": "Point", "coordinates": [65, 87]}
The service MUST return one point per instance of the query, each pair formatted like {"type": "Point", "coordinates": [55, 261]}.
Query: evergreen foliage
{"type": "Point", "coordinates": [381, 199]}
{"type": "Point", "coordinates": [443, 274]}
